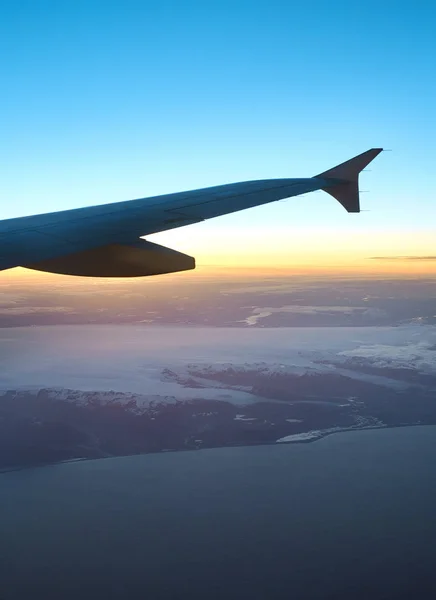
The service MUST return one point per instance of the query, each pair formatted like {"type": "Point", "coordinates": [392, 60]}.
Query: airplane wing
{"type": "Point", "coordinates": [104, 241]}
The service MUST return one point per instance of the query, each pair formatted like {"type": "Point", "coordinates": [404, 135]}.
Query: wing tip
{"type": "Point", "coordinates": [350, 169]}
{"type": "Point", "coordinates": [342, 181]}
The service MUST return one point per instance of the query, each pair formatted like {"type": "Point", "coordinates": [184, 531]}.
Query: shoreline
{"type": "Point", "coordinates": [254, 444]}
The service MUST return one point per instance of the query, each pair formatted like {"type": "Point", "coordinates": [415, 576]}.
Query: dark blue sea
{"type": "Point", "coordinates": [352, 516]}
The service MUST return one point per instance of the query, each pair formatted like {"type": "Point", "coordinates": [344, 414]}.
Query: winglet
{"type": "Point", "coordinates": [344, 179]}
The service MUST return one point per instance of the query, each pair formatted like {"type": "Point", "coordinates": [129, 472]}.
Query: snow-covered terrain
{"type": "Point", "coordinates": [135, 403]}
{"type": "Point", "coordinates": [300, 437]}
{"type": "Point", "coordinates": [102, 391]}
{"type": "Point", "coordinates": [131, 358]}
{"type": "Point", "coordinates": [317, 434]}
{"type": "Point", "coordinates": [160, 364]}
{"type": "Point", "coordinates": [372, 314]}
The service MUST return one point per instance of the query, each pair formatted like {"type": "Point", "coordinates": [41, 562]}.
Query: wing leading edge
{"type": "Point", "coordinates": [103, 241]}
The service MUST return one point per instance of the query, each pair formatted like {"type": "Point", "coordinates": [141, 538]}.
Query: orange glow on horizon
{"type": "Point", "coordinates": [255, 252]}
{"type": "Point", "coordinates": [323, 267]}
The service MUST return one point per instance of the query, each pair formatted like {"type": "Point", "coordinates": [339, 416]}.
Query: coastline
{"type": "Point", "coordinates": [309, 440]}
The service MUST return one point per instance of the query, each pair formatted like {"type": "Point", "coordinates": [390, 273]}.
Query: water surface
{"type": "Point", "coordinates": [349, 516]}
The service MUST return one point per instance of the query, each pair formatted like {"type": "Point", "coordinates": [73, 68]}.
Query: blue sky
{"type": "Point", "coordinates": [110, 100]}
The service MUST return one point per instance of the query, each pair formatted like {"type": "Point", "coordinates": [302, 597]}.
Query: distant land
{"type": "Point", "coordinates": [288, 405]}
{"type": "Point", "coordinates": [98, 390]}
{"type": "Point", "coordinates": [246, 302]}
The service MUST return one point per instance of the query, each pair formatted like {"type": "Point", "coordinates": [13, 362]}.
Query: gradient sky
{"type": "Point", "coordinates": [110, 100]}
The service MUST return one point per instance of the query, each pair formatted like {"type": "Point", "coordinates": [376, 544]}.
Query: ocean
{"type": "Point", "coordinates": [349, 516]}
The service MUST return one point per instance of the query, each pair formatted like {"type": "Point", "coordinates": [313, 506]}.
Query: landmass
{"type": "Point", "coordinates": [289, 405]}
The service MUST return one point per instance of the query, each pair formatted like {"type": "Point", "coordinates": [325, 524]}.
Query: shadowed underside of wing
{"type": "Point", "coordinates": [139, 259]}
